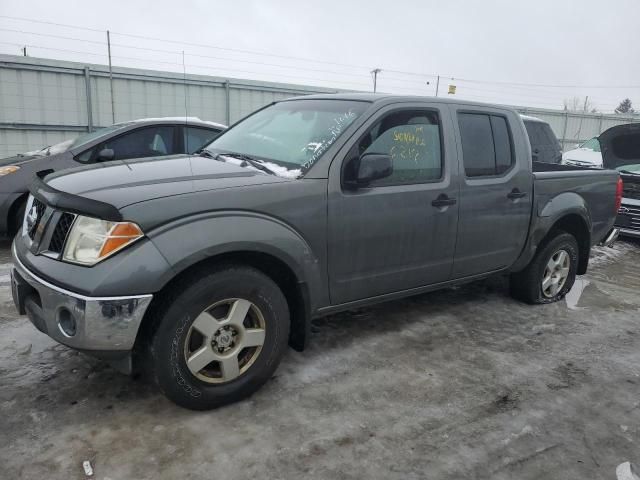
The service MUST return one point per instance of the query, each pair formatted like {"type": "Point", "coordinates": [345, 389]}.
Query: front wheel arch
{"type": "Point", "coordinates": [294, 289]}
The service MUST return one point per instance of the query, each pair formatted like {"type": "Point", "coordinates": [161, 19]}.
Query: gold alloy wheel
{"type": "Point", "coordinates": [224, 340]}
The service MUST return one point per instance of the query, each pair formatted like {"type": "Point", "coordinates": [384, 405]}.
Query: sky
{"type": "Point", "coordinates": [536, 53]}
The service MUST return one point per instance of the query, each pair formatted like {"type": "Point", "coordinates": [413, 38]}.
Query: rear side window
{"type": "Point", "coordinates": [196, 138]}
{"type": "Point", "coordinates": [487, 148]}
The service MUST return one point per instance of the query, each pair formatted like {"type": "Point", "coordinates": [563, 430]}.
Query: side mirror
{"type": "Point", "coordinates": [106, 154]}
{"type": "Point", "coordinates": [368, 168]}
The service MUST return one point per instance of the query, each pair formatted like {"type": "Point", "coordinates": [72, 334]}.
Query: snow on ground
{"type": "Point", "coordinates": [606, 255]}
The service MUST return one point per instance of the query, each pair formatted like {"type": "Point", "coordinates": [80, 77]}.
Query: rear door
{"type": "Point", "coordinates": [495, 190]}
{"type": "Point", "coordinates": [398, 233]}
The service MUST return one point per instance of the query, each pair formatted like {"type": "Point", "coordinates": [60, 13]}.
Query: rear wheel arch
{"type": "Point", "coordinates": [577, 226]}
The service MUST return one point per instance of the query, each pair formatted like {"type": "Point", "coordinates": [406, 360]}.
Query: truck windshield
{"type": "Point", "coordinates": [293, 135]}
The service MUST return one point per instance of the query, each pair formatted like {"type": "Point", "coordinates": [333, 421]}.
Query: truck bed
{"type": "Point", "coordinates": [595, 188]}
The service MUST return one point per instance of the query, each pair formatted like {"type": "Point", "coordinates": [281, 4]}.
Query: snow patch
{"type": "Point", "coordinates": [52, 150]}
{"type": "Point", "coordinates": [277, 169]}
{"type": "Point", "coordinates": [179, 119]}
{"type": "Point", "coordinates": [606, 255]}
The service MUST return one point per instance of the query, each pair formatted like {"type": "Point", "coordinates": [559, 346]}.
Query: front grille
{"type": "Point", "coordinates": [628, 217]}
{"type": "Point", "coordinates": [61, 231]}
{"type": "Point", "coordinates": [36, 213]}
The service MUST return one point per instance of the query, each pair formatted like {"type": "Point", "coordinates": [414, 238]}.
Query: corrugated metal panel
{"type": "Point", "coordinates": [40, 99]}
{"type": "Point", "coordinates": [573, 128]}
{"type": "Point", "coordinates": [13, 142]}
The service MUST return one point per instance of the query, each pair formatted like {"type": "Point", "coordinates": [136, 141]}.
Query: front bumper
{"type": "Point", "coordinates": [103, 326]}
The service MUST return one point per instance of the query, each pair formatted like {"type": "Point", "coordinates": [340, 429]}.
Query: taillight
{"type": "Point", "coordinates": [619, 189]}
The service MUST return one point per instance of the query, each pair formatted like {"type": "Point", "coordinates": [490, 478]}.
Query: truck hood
{"type": "Point", "coordinates": [123, 183]}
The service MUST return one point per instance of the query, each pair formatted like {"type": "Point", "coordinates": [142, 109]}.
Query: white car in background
{"type": "Point", "coordinates": [586, 155]}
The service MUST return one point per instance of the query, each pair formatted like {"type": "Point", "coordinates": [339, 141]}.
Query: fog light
{"type": "Point", "coordinates": [66, 323]}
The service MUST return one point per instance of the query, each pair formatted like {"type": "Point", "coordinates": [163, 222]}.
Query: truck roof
{"type": "Point", "coordinates": [387, 98]}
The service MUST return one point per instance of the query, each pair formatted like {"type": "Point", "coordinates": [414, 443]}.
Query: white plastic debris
{"type": "Point", "coordinates": [627, 471]}
{"type": "Point", "coordinates": [87, 468]}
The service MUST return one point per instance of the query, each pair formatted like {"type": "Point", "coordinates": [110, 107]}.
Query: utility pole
{"type": "Point", "coordinates": [375, 73]}
{"type": "Point", "coordinates": [113, 111]}
{"type": "Point", "coordinates": [437, 85]}
{"type": "Point", "coordinates": [24, 51]}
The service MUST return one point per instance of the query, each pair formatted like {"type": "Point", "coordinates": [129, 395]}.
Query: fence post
{"type": "Point", "coordinates": [600, 123]}
{"type": "Point", "coordinates": [564, 131]}
{"type": "Point", "coordinates": [87, 85]}
{"type": "Point", "coordinates": [113, 108]}
{"type": "Point", "coordinates": [227, 102]}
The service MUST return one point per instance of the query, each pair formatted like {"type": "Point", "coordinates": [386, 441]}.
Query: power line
{"type": "Point", "coordinates": [513, 85]}
{"type": "Point", "coordinates": [52, 23]}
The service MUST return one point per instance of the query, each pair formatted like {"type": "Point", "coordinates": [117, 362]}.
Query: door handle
{"type": "Point", "coordinates": [515, 193]}
{"type": "Point", "coordinates": [443, 201]}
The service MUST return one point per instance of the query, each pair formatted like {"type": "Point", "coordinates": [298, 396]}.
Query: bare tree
{"type": "Point", "coordinates": [579, 104]}
{"type": "Point", "coordinates": [624, 107]}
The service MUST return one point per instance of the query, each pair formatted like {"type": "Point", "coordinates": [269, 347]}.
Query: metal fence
{"type": "Point", "coordinates": [43, 102]}
{"type": "Point", "coordinates": [574, 128]}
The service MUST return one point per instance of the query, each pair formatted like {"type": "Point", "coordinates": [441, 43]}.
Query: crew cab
{"type": "Point", "coordinates": [200, 270]}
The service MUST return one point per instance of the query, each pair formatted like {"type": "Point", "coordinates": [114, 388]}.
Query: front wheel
{"type": "Point", "coordinates": [220, 338]}
{"type": "Point", "coordinates": [551, 273]}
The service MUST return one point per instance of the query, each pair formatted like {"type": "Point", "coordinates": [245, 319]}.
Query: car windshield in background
{"type": "Point", "coordinates": [592, 144]}
{"type": "Point", "coordinates": [86, 138]}
{"type": "Point", "coordinates": [292, 134]}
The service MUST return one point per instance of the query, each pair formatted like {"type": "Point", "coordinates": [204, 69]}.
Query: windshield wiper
{"type": "Point", "coordinates": [206, 153]}
{"type": "Point", "coordinates": [254, 162]}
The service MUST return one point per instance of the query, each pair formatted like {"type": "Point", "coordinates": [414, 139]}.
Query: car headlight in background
{"type": "Point", "coordinates": [92, 240]}
{"type": "Point", "coordinates": [8, 169]}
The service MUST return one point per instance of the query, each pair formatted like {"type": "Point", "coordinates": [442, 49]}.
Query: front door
{"type": "Point", "coordinates": [399, 232]}
{"type": "Point", "coordinates": [495, 190]}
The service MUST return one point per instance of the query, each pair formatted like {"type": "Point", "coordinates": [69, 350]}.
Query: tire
{"type": "Point", "coordinates": [210, 303]}
{"type": "Point", "coordinates": [529, 284]}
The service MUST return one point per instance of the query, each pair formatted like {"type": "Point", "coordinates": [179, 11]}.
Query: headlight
{"type": "Point", "coordinates": [92, 240]}
{"type": "Point", "coordinates": [8, 169]}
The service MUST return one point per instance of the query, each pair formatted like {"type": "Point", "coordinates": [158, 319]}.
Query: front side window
{"type": "Point", "coordinates": [486, 144]}
{"type": "Point", "coordinates": [144, 142]}
{"type": "Point", "coordinates": [292, 134]}
{"type": "Point", "coordinates": [412, 139]}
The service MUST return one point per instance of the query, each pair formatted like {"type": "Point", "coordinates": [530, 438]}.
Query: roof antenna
{"type": "Point", "coordinates": [186, 110]}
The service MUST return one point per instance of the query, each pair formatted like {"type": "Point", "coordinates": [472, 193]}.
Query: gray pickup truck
{"type": "Point", "coordinates": [200, 270]}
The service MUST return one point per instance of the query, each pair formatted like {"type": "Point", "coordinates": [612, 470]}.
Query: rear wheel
{"type": "Point", "coordinates": [221, 338]}
{"type": "Point", "coordinates": [551, 273]}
